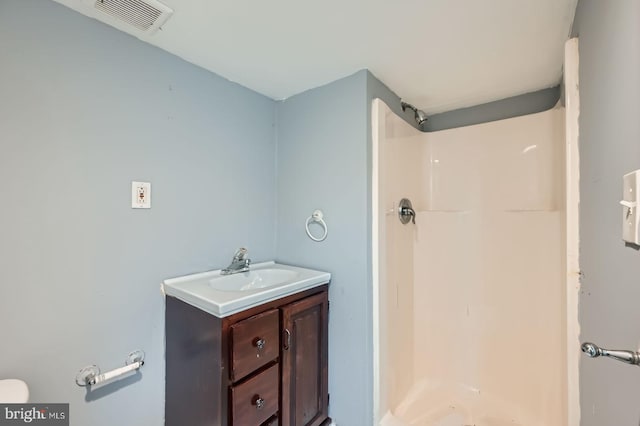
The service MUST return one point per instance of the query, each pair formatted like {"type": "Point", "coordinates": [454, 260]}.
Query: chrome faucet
{"type": "Point", "coordinates": [239, 263]}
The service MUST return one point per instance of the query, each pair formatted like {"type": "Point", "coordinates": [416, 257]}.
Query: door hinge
{"type": "Point", "coordinates": [328, 305]}
{"type": "Point", "coordinates": [328, 397]}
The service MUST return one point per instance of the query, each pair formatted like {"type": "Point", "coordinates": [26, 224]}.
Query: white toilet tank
{"type": "Point", "coordinates": [13, 391]}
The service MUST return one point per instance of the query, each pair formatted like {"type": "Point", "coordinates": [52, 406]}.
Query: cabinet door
{"type": "Point", "coordinates": [304, 361]}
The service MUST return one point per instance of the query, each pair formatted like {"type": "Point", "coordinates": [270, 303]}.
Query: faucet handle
{"type": "Point", "coordinates": [240, 253]}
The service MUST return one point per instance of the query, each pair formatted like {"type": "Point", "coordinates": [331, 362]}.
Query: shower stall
{"type": "Point", "coordinates": [470, 301]}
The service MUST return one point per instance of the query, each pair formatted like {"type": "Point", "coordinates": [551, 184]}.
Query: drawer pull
{"type": "Point", "coordinates": [259, 343]}
{"type": "Point", "coordinates": [258, 402]}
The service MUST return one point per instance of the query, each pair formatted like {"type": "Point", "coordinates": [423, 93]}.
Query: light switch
{"type": "Point", "coordinates": [630, 222]}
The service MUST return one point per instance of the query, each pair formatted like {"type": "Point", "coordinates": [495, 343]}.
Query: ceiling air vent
{"type": "Point", "coordinates": [146, 15]}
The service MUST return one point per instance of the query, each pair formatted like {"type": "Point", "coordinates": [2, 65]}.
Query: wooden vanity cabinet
{"type": "Point", "coordinates": [266, 366]}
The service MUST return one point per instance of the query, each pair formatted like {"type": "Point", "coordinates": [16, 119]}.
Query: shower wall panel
{"type": "Point", "coordinates": [400, 177]}
{"type": "Point", "coordinates": [472, 297]}
{"type": "Point", "coordinates": [488, 268]}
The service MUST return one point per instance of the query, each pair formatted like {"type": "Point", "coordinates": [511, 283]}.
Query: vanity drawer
{"type": "Point", "coordinates": [256, 400]}
{"type": "Point", "coordinates": [254, 342]}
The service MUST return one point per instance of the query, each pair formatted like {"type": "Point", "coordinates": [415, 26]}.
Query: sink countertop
{"type": "Point", "coordinates": [197, 289]}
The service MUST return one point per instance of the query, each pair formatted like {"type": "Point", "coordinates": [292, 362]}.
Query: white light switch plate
{"type": "Point", "coordinates": [140, 195]}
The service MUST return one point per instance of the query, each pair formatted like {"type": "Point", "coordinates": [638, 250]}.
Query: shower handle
{"type": "Point", "coordinates": [406, 212]}
{"type": "Point", "coordinates": [594, 351]}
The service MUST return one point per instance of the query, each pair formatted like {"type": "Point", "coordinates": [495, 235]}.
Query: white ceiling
{"type": "Point", "coordinates": [436, 54]}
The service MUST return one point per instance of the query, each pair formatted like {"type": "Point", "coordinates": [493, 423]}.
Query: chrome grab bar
{"type": "Point", "coordinates": [594, 351]}
{"type": "Point", "coordinates": [90, 375]}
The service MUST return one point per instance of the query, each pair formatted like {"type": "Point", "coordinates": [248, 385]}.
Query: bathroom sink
{"type": "Point", "coordinates": [224, 295]}
{"type": "Point", "coordinates": [252, 280]}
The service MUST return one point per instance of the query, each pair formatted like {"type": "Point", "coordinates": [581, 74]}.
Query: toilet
{"type": "Point", "coordinates": [13, 391]}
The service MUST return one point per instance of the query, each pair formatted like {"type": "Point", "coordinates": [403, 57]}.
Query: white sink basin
{"type": "Point", "coordinates": [253, 280]}
{"type": "Point", "coordinates": [224, 295]}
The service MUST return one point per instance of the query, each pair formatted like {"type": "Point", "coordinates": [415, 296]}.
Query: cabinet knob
{"type": "Point", "coordinates": [259, 343]}
{"type": "Point", "coordinates": [259, 402]}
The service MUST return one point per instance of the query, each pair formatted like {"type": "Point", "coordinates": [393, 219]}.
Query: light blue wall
{"type": "Point", "coordinates": [84, 110]}
{"type": "Point", "coordinates": [322, 164]}
{"type": "Point", "coordinates": [609, 37]}
{"type": "Point", "coordinates": [516, 106]}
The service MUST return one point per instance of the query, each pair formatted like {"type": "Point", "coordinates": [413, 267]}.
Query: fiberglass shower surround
{"type": "Point", "coordinates": [477, 277]}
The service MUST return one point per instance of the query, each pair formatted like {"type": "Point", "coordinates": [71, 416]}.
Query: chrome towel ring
{"type": "Point", "coordinates": [317, 217]}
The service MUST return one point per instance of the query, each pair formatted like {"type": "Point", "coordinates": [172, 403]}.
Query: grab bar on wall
{"type": "Point", "coordinates": [90, 375]}
{"type": "Point", "coordinates": [594, 351]}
